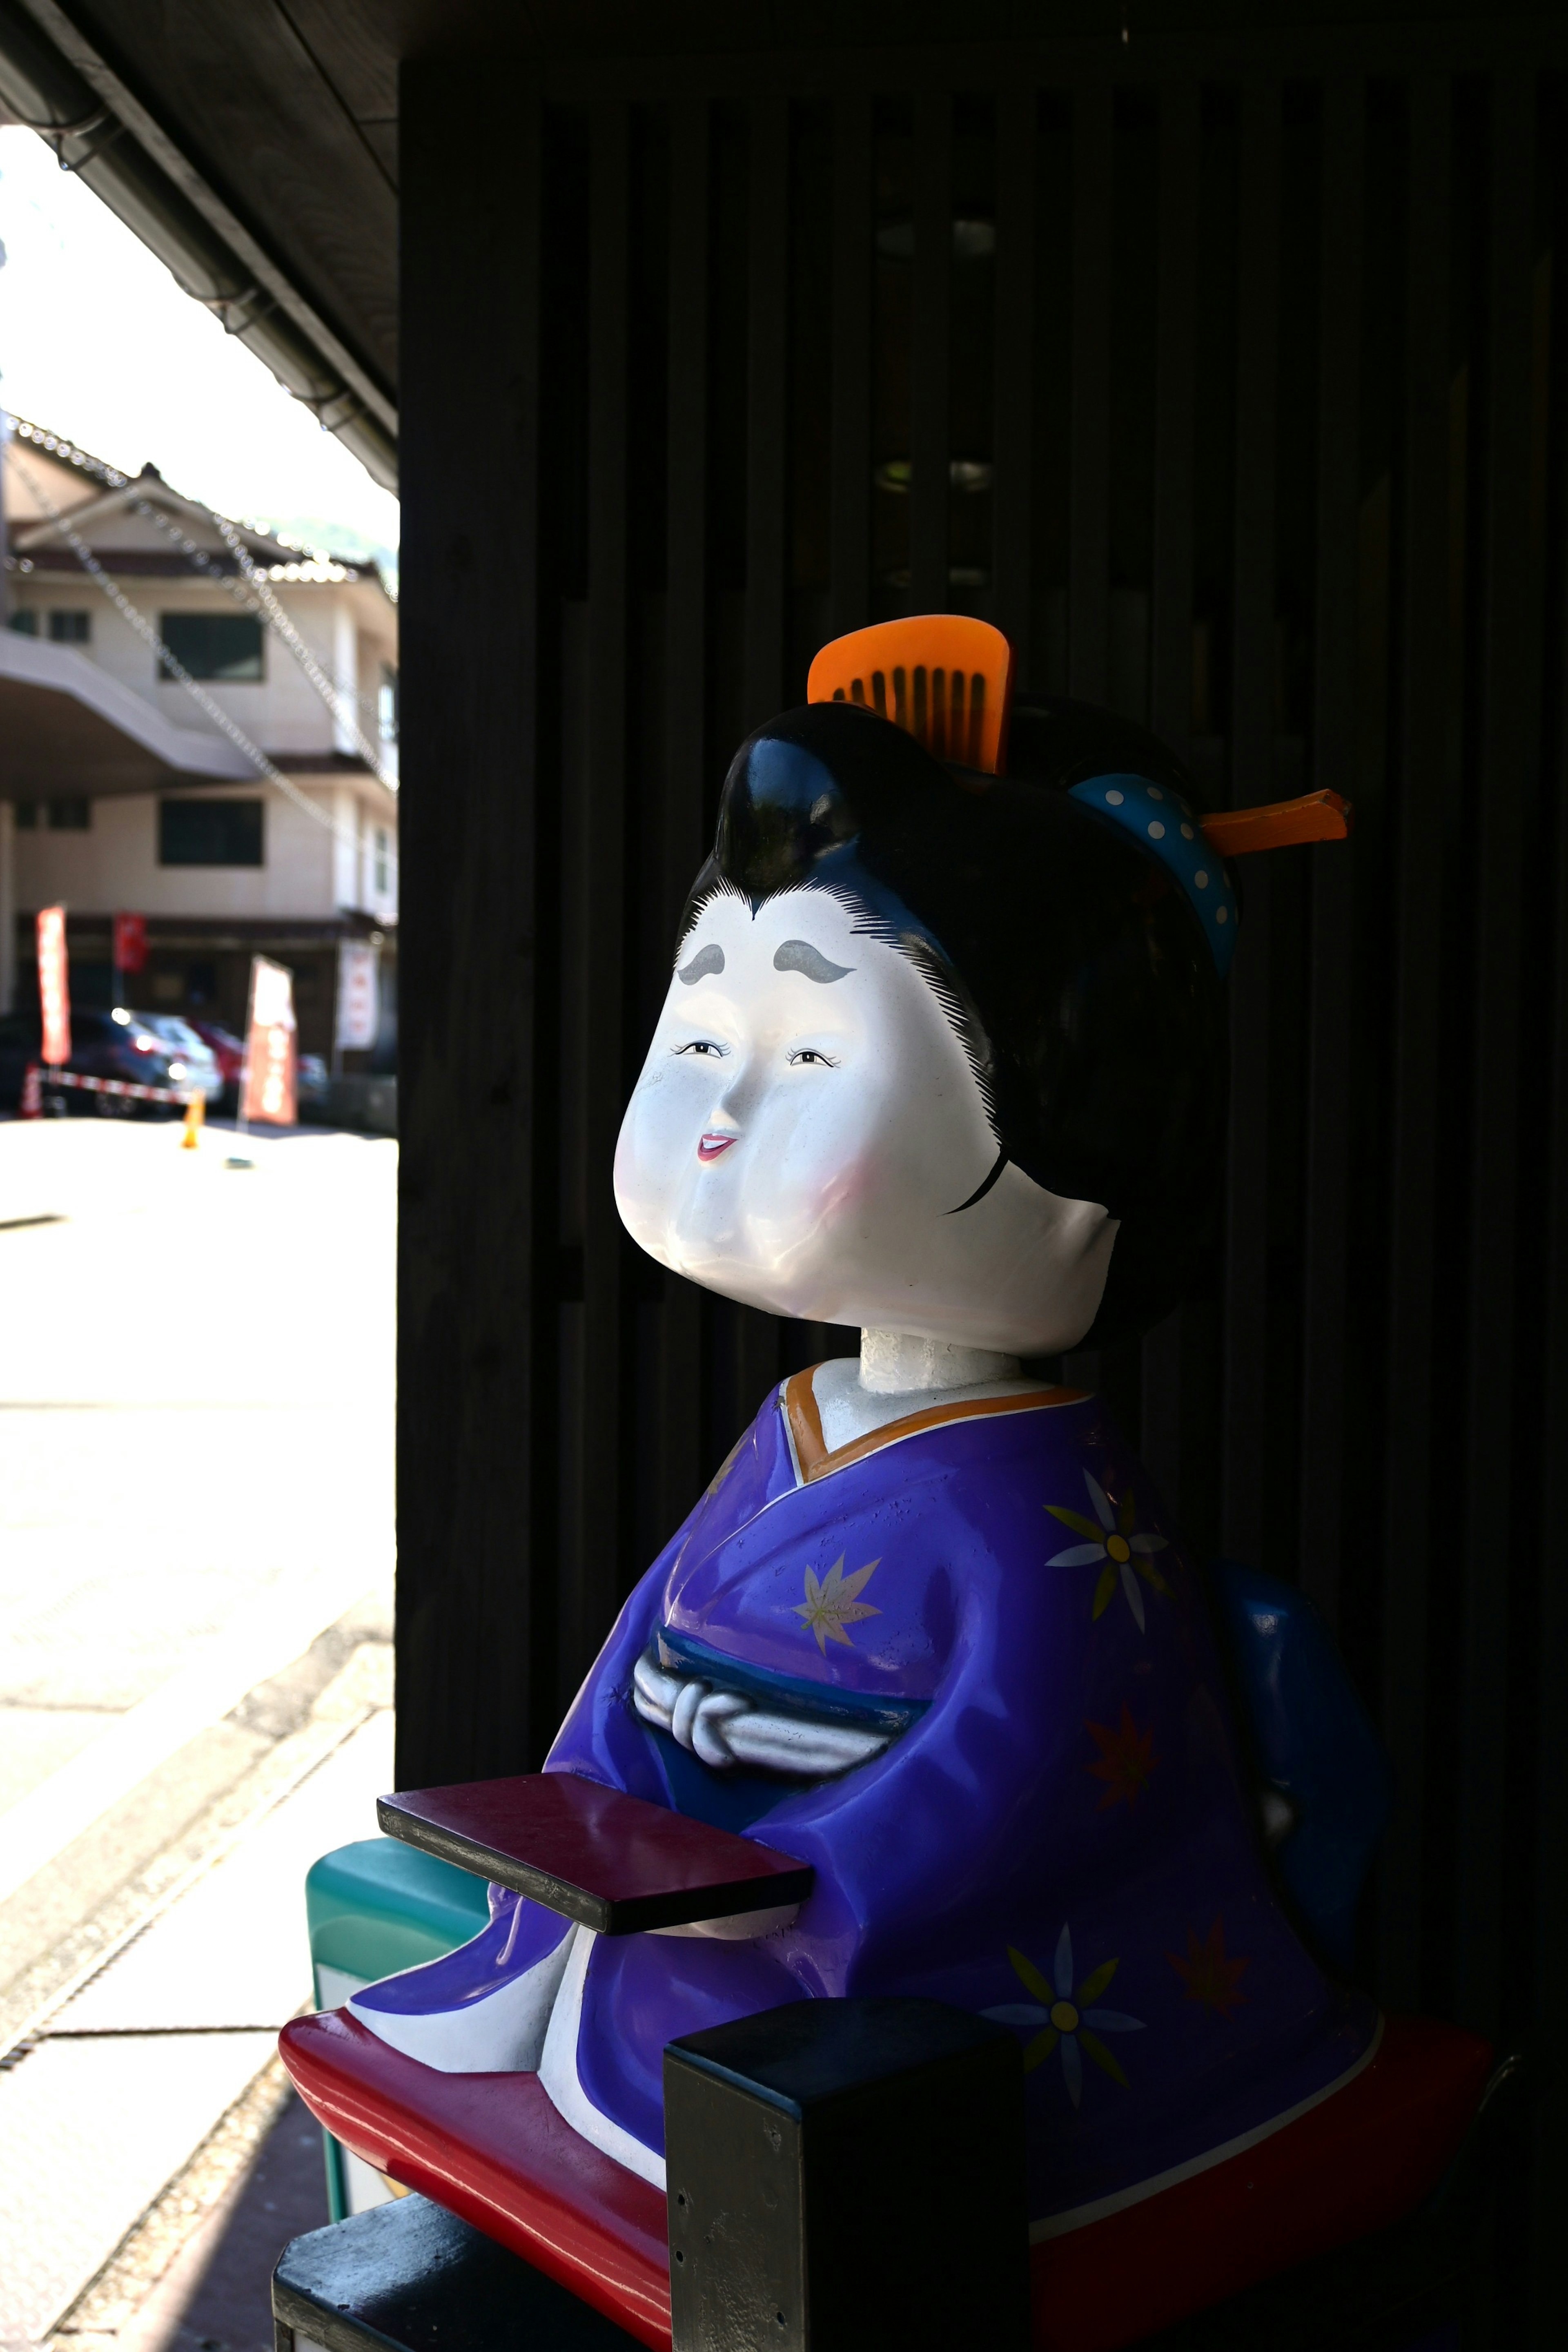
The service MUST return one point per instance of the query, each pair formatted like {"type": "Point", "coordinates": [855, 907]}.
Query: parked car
{"type": "Point", "coordinates": [193, 1048]}
{"type": "Point", "coordinates": [230, 1053]}
{"type": "Point", "coordinates": [103, 1045]}
{"type": "Point", "coordinates": [312, 1086]}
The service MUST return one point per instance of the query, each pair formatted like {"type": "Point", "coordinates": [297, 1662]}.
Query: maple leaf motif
{"type": "Point", "coordinates": [835, 1602]}
{"type": "Point", "coordinates": [1210, 1976]}
{"type": "Point", "coordinates": [1126, 1758]}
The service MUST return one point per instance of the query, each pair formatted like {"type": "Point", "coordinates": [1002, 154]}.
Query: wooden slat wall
{"type": "Point", "coordinates": [595, 1412]}
{"type": "Point", "coordinates": [1166, 1349]}
{"type": "Point", "coordinates": [1505, 732]}
{"type": "Point", "coordinates": [1364, 270]}
{"type": "Point", "coordinates": [849, 486]}
{"type": "Point", "coordinates": [1251, 779]}
{"type": "Point", "coordinates": [930, 357]}
{"type": "Point", "coordinates": [1330, 986]}
{"type": "Point", "coordinates": [477, 1337]}
{"type": "Point", "coordinates": [678, 1463]}
{"type": "Point", "coordinates": [1093, 196]}
{"type": "Point", "coordinates": [1427, 817]}
{"type": "Point", "coordinates": [1545, 1866]}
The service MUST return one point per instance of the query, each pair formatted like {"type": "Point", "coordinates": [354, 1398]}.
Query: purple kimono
{"type": "Point", "coordinates": [964, 1669]}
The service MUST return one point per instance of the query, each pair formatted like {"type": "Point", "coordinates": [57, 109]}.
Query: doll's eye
{"type": "Point", "coordinates": [702, 1045]}
{"type": "Point", "coordinates": [810, 1054]}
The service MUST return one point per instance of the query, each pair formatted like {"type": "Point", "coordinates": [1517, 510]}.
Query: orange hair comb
{"type": "Point", "coordinates": [948, 680]}
{"type": "Point", "coordinates": [944, 678]}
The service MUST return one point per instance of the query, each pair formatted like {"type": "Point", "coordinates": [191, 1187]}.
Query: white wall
{"type": "Point", "coordinates": [308, 869]}
{"type": "Point", "coordinates": [345, 847]}
{"type": "Point", "coordinates": [377, 899]}
{"type": "Point", "coordinates": [350, 629]}
{"type": "Point", "coordinates": [115, 864]}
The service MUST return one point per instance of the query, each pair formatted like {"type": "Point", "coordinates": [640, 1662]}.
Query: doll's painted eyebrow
{"type": "Point", "coordinates": [706, 960]}
{"type": "Point", "coordinates": [799, 955]}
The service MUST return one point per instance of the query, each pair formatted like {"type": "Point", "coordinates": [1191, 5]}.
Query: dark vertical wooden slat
{"type": "Point", "coordinates": [1424, 704]}
{"type": "Point", "coordinates": [1549, 2170]}
{"type": "Point", "coordinates": [1329, 990]}
{"type": "Point", "coordinates": [469, 1338]}
{"type": "Point", "coordinates": [766, 380]}
{"type": "Point", "coordinates": [1506, 749]}
{"type": "Point", "coordinates": [929, 356]}
{"type": "Point", "coordinates": [680, 1462]}
{"type": "Point", "coordinates": [1170, 663]}
{"type": "Point", "coordinates": [1012, 503]}
{"type": "Point", "coordinates": [757, 1335]}
{"type": "Point", "coordinates": [1170, 651]}
{"type": "Point", "coordinates": [1251, 782]}
{"type": "Point", "coordinates": [850, 558]}
{"type": "Point", "coordinates": [593, 1594]}
{"type": "Point", "coordinates": [1089, 527]}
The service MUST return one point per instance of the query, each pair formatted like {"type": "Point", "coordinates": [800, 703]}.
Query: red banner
{"type": "Point", "coordinates": [130, 943]}
{"type": "Point", "coordinates": [268, 1092]}
{"type": "Point", "coordinates": [54, 986]}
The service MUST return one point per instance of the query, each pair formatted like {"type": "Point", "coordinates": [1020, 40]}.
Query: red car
{"type": "Point", "coordinates": [226, 1048]}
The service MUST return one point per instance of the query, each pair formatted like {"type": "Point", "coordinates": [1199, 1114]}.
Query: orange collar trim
{"type": "Point", "coordinates": [805, 1423]}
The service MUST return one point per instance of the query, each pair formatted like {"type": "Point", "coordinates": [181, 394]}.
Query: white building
{"type": "Point", "coordinates": [119, 793]}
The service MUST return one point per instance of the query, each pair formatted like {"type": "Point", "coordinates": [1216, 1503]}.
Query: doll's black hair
{"type": "Point", "coordinates": [1068, 959]}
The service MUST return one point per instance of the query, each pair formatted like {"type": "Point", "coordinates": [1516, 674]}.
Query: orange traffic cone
{"type": "Point", "coordinates": [195, 1113]}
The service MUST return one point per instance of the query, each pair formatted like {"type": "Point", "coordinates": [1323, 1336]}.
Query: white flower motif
{"type": "Point", "coordinates": [1125, 1552]}
{"type": "Point", "coordinates": [1064, 2017]}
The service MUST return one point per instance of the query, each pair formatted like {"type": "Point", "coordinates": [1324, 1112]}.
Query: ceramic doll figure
{"type": "Point", "coordinates": [943, 1057]}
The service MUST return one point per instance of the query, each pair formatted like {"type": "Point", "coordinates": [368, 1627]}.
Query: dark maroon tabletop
{"type": "Point", "coordinates": [615, 1863]}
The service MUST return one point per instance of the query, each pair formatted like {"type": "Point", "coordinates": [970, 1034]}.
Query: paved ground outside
{"type": "Point", "coordinates": [195, 1505]}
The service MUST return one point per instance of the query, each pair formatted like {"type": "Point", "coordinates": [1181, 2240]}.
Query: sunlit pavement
{"type": "Point", "coordinates": [196, 1493]}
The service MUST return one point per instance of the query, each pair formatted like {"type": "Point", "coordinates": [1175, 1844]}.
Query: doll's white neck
{"type": "Point", "coordinates": [897, 1373]}
{"type": "Point", "coordinates": [899, 1363]}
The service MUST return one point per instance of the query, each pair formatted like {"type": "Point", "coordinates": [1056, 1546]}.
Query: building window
{"type": "Point", "coordinates": [209, 832]}
{"type": "Point", "coordinates": [382, 866]}
{"type": "Point", "coordinates": [69, 816]}
{"type": "Point", "coordinates": [223, 646]}
{"type": "Point", "coordinates": [25, 623]}
{"type": "Point", "coordinates": [70, 628]}
{"type": "Point", "coordinates": [27, 816]}
{"type": "Point", "coordinates": [386, 704]}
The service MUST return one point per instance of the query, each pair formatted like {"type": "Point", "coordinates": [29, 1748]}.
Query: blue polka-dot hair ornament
{"type": "Point", "coordinates": [1160, 820]}
{"type": "Point", "coordinates": [948, 681]}
{"type": "Point", "coordinates": [1197, 849]}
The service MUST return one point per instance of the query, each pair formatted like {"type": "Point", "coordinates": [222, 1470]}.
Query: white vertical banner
{"type": "Point", "coordinates": [358, 995]}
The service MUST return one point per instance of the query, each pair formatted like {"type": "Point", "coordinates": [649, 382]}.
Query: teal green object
{"type": "Point", "coordinates": [374, 1908]}
{"type": "Point", "coordinates": [378, 1906]}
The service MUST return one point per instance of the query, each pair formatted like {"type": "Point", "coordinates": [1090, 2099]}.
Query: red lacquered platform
{"type": "Point", "coordinates": [492, 2149]}
{"type": "Point", "coordinates": [615, 1863]}
{"type": "Point", "coordinates": [1360, 2162]}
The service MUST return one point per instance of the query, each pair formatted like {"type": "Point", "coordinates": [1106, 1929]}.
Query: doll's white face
{"type": "Point", "coordinates": [806, 1125]}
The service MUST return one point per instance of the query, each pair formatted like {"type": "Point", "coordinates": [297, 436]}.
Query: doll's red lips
{"type": "Point", "coordinates": [712, 1146]}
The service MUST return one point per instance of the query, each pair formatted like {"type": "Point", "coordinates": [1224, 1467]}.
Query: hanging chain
{"type": "Point", "coordinates": [176, 669]}
{"type": "Point", "coordinates": [249, 600]}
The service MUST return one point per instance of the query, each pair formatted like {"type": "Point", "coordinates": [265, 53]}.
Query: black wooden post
{"type": "Point", "coordinates": [847, 2176]}
{"type": "Point", "coordinates": [470, 1345]}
